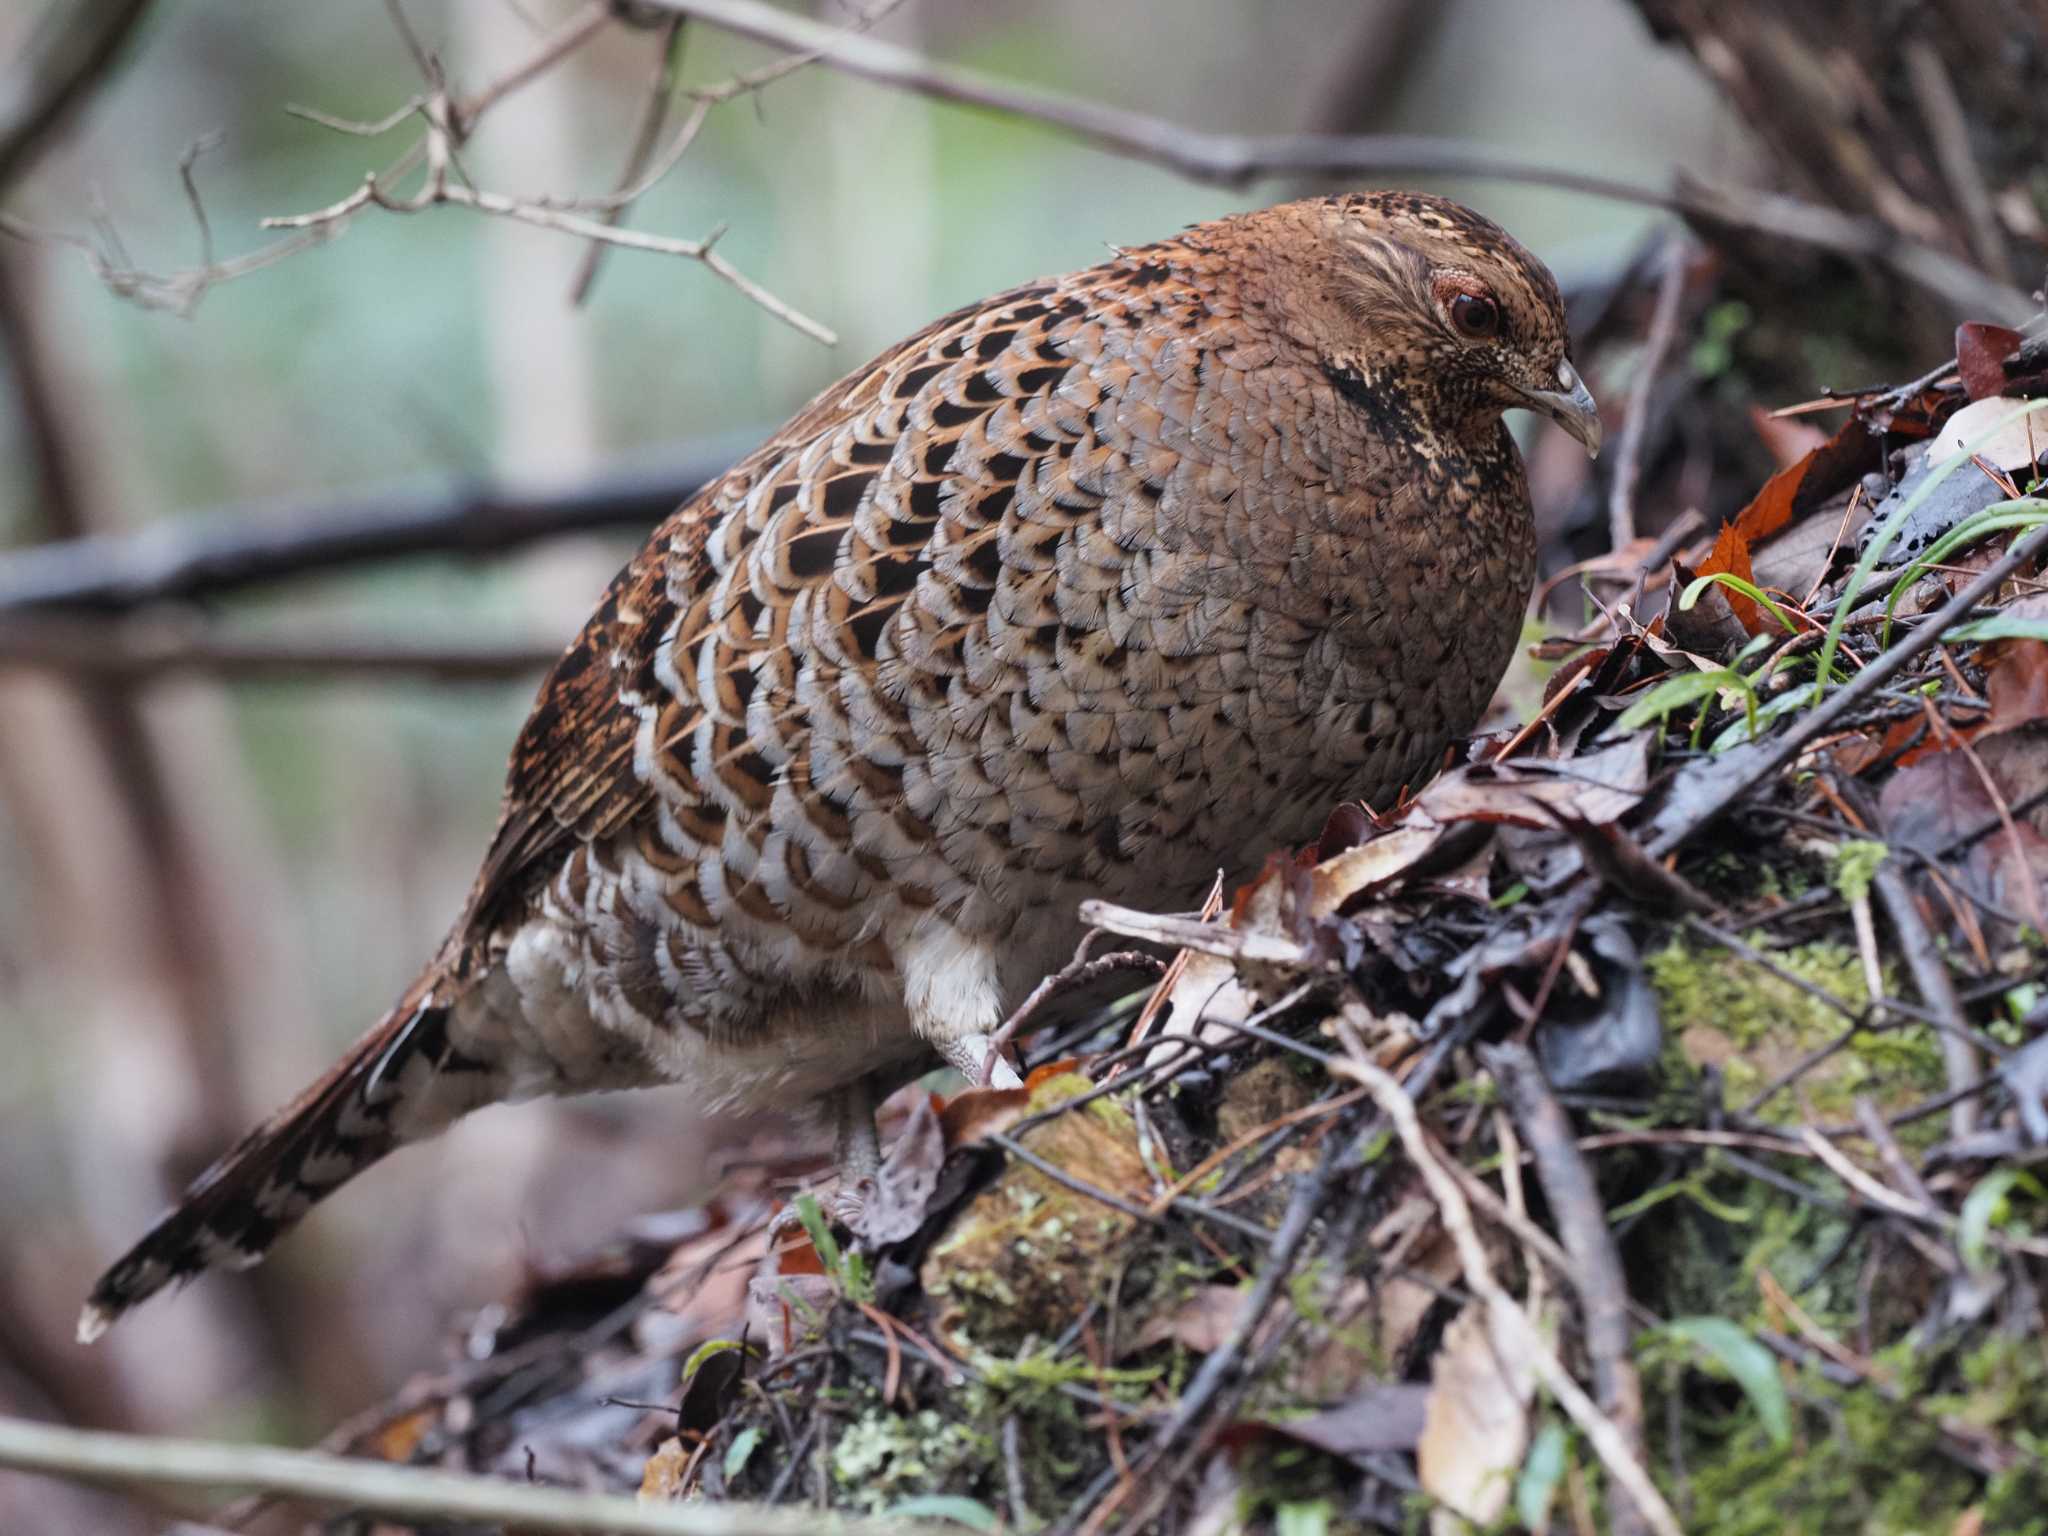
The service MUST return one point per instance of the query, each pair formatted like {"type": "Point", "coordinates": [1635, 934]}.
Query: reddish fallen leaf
{"type": "Point", "coordinates": [1771, 508]}
{"type": "Point", "coordinates": [1713, 625]}
{"type": "Point", "coordinates": [1789, 441]}
{"type": "Point", "coordinates": [1861, 752]}
{"type": "Point", "coordinates": [799, 1257]}
{"type": "Point", "coordinates": [397, 1440]}
{"type": "Point", "coordinates": [2015, 683]}
{"type": "Point", "coordinates": [977, 1113]}
{"type": "Point", "coordinates": [1051, 1070]}
{"type": "Point", "coordinates": [1981, 351]}
{"type": "Point", "coordinates": [1346, 827]}
{"type": "Point", "coordinates": [1827, 471]}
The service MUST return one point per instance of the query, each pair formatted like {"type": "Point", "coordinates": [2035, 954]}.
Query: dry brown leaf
{"type": "Point", "coordinates": [1788, 439]}
{"type": "Point", "coordinates": [1476, 1428]}
{"type": "Point", "coordinates": [2011, 445]}
{"type": "Point", "coordinates": [1335, 881]}
{"type": "Point", "coordinates": [662, 1481]}
{"type": "Point", "coordinates": [1981, 351]}
{"type": "Point", "coordinates": [1200, 1323]}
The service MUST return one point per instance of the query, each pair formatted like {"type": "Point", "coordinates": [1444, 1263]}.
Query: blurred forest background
{"type": "Point", "coordinates": [212, 878]}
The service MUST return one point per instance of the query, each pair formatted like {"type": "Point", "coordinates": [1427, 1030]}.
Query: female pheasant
{"type": "Point", "coordinates": [1091, 589]}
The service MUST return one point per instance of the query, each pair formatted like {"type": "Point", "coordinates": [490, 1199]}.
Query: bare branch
{"type": "Point", "coordinates": [449, 121]}
{"type": "Point", "coordinates": [237, 548]}
{"type": "Point", "coordinates": [1508, 1320]}
{"type": "Point", "coordinates": [376, 128]}
{"type": "Point", "coordinates": [1238, 159]}
{"type": "Point", "coordinates": [557, 46]}
{"type": "Point", "coordinates": [99, 1456]}
{"type": "Point", "coordinates": [632, 240]}
{"type": "Point", "coordinates": [141, 649]}
{"type": "Point", "coordinates": [176, 293]}
{"type": "Point", "coordinates": [654, 111]}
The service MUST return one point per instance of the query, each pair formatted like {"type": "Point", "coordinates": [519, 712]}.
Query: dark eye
{"type": "Point", "coordinates": [1476, 316]}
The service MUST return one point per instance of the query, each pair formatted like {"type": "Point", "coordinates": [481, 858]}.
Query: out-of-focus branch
{"type": "Point", "coordinates": [1238, 159]}
{"type": "Point", "coordinates": [235, 549]}
{"type": "Point", "coordinates": [654, 110]}
{"type": "Point", "coordinates": [1621, 501]}
{"type": "Point", "coordinates": [73, 45]}
{"type": "Point", "coordinates": [138, 649]}
{"type": "Point", "coordinates": [399, 1490]}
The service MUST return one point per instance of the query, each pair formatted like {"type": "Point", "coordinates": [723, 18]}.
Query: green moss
{"type": "Point", "coordinates": [1856, 864]}
{"type": "Point", "coordinates": [885, 1455]}
{"type": "Point", "coordinates": [1866, 1462]}
{"type": "Point", "coordinates": [883, 1458]}
{"type": "Point", "coordinates": [1030, 1252]}
{"type": "Point", "coordinates": [1722, 1010]}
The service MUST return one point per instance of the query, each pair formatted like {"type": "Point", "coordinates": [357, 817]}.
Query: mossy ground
{"type": "Point", "coordinates": [1865, 1460]}
{"type": "Point", "coordinates": [1722, 1010]}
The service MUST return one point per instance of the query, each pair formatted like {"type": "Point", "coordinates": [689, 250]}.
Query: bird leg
{"type": "Point", "coordinates": [857, 1147]}
{"type": "Point", "coordinates": [979, 1059]}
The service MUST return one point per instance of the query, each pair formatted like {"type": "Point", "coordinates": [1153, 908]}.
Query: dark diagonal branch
{"type": "Point", "coordinates": [234, 549]}
{"type": "Point", "coordinates": [138, 649]}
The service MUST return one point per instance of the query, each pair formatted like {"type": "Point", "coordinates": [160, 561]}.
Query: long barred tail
{"type": "Point", "coordinates": [399, 1082]}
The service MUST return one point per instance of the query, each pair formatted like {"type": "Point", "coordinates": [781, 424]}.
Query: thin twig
{"type": "Point", "coordinates": [561, 221]}
{"type": "Point", "coordinates": [1582, 1222]}
{"type": "Point", "coordinates": [1509, 1322]}
{"type": "Point", "coordinates": [1937, 989]}
{"type": "Point", "coordinates": [1236, 160]}
{"type": "Point", "coordinates": [1310, 1192]}
{"type": "Point", "coordinates": [1081, 972]}
{"type": "Point", "coordinates": [1885, 1197]}
{"type": "Point", "coordinates": [100, 1456]}
{"type": "Point", "coordinates": [1628, 462]}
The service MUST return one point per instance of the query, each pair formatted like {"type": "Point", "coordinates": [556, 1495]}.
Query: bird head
{"type": "Point", "coordinates": [1422, 296]}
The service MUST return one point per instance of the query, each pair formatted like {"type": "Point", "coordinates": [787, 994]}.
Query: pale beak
{"type": "Point", "coordinates": [1570, 405]}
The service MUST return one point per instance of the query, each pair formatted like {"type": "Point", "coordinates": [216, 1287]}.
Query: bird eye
{"type": "Point", "coordinates": [1476, 316]}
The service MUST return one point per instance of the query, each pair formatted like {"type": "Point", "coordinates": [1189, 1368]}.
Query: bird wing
{"type": "Point", "coordinates": [580, 768]}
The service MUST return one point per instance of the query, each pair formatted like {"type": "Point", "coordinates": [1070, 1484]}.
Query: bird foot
{"type": "Point", "coordinates": [843, 1207]}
